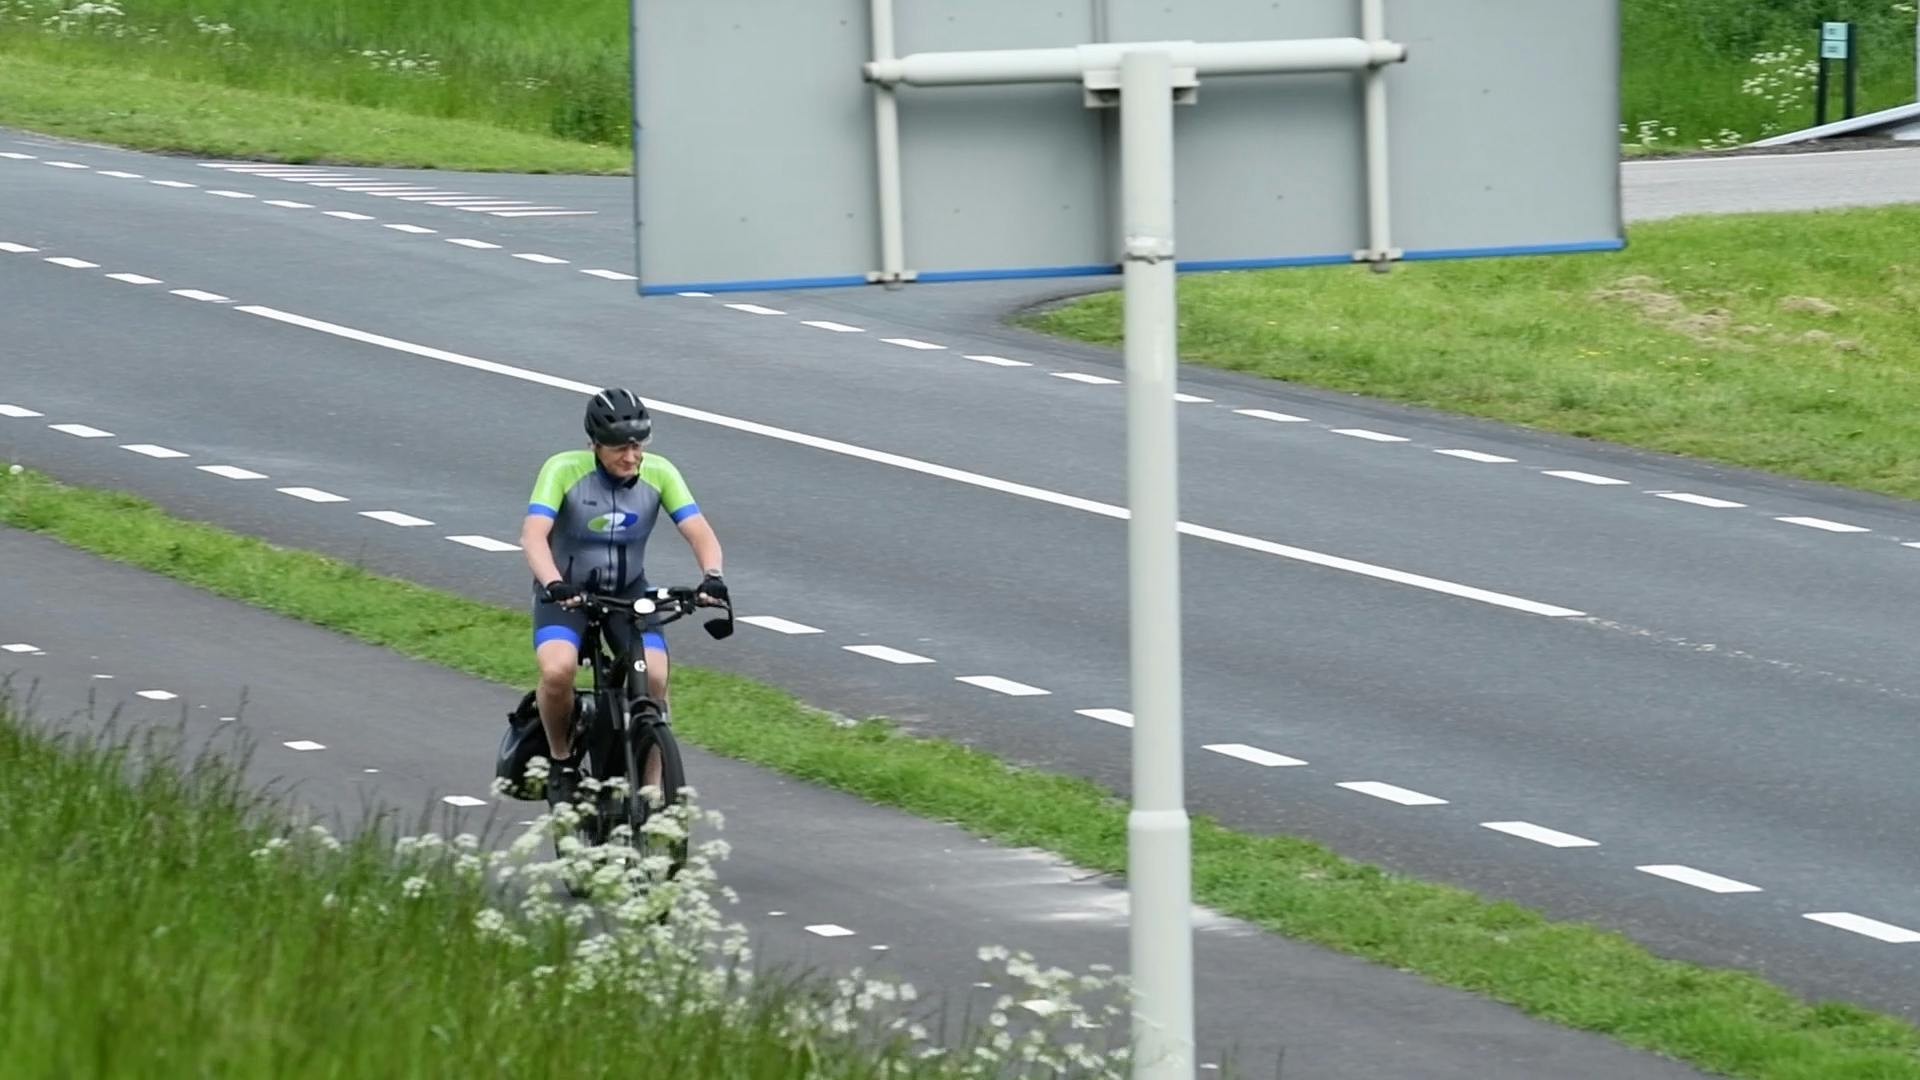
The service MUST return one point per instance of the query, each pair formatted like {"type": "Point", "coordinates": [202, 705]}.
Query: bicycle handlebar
{"type": "Point", "coordinates": [664, 605]}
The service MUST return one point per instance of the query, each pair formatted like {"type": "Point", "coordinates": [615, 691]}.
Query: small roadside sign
{"type": "Point", "coordinates": [1835, 40]}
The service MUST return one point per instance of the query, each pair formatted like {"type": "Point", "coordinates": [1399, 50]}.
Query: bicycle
{"type": "Point", "coordinates": [620, 731]}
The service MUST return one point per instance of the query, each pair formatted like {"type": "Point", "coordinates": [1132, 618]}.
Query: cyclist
{"type": "Point", "coordinates": [586, 531]}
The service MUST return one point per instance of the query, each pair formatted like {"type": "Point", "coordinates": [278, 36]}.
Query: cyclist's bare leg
{"type": "Point", "coordinates": [559, 664]}
{"type": "Point", "coordinates": [657, 690]}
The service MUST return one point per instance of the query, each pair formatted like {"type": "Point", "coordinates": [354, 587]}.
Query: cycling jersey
{"type": "Point", "coordinates": [600, 522]}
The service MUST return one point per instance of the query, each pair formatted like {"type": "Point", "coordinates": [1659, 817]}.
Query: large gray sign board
{"type": "Point", "coordinates": [755, 141]}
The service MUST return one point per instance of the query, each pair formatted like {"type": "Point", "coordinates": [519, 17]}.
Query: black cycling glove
{"type": "Point", "coordinates": [558, 591]}
{"type": "Point", "coordinates": [713, 587]}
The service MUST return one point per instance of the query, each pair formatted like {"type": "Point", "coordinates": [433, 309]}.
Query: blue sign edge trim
{"type": "Point", "coordinates": [1096, 269]}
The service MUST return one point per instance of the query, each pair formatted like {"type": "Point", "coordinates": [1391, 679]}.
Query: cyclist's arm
{"type": "Point", "coordinates": [533, 542]}
{"type": "Point", "coordinates": [699, 536]}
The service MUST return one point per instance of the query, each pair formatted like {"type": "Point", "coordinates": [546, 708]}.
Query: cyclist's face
{"type": "Point", "coordinates": [621, 461]}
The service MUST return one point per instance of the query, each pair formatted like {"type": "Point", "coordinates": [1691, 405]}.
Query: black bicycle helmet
{"type": "Point", "coordinates": [615, 417]}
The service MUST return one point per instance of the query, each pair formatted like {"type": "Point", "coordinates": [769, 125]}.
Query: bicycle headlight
{"type": "Point", "coordinates": [643, 606]}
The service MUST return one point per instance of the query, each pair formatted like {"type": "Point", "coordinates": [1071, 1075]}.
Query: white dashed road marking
{"type": "Point", "coordinates": [889, 654]}
{"type": "Point", "coordinates": [314, 495]}
{"type": "Point", "coordinates": [1698, 500]}
{"type": "Point", "coordinates": [20, 647]}
{"type": "Point", "coordinates": [1002, 686]}
{"type": "Point", "coordinates": [17, 249]}
{"type": "Point", "coordinates": [16, 155]}
{"type": "Point", "coordinates": [829, 930]}
{"type": "Point", "coordinates": [478, 245]}
{"type": "Point", "coordinates": [1475, 455]}
{"type": "Point", "coordinates": [838, 328]}
{"type": "Point", "coordinates": [1193, 399]}
{"type": "Point", "coordinates": [232, 472]}
{"type": "Point", "coordinates": [81, 431]}
{"type": "Point", "coordinates": [536, 257]}
{"type": "Point", "coordinates": [200, 295]}
{"type": "Point", "coordinates": [64, 164]}
{"type": "Point", "coordinates": [1860, 924]}
{"type": "Point", "coordinates": [1116, 717]}
{"type": "Point", "coordinates": [153, 450]}
{"type": "Point", "coordinates": [462, 800]}
{"type": "Point", "coordinates": [997, 361]}
{"type": "Point", "coordinates": [231, 194]}
{"type": "Point", "coordinates": [484, 543]}
{"type": "Point", "coordinates": [1699, 879]}
{"type": "Point", "coordinates": [1254, 754]}
{"type": "Point", "coordinates": [290, 204]}
{"type": "Point", "coordinates": [18, 412]}
{"type": "Point", "coordinates": [708, 294]}
{"type": "Point", "coordinates": [348, 215]}
{"type": "Point", "coordinates": [1276, 417]}
{"type": "Point", "coordinates": [1370, 436]}
{"type": "Point", "coordinates": [1539, 834]}
{"type": "Point", "coordinates": [303, 744]}
{"type": "Point", "coordinates": [1082, 377]}
{"type": "Point", "coordinates": [542, 213]}
{"type": "Point", "coordinates": [1824, 524]}
{"type": "Point", "coordinates": [395, 517]}
{"type": "Point", "coordinates": [136, 279]}
{"type": "Point", "coordinates": [417, 230]}
{"type": "Point", "coordinates": [156, 695]}
{"type": "Point", "coordinates": [1392, 793]}
{"type": "Point", "coordinates": [1582, 477]}
{"type": "Point", "coordinates": [778, 625]}
{"type": "Point", "coordinates": [610, 275]}
{"type": "Point", "coordinates": [72, 263]}
{"type": "Point", "coordinates": [750, 309]}
{"type": "Point", "coordinates": [913, 343]}
{"type": "Point", "coordinates": [119, 175]}
{"type": "Point", "coordinates": [172, 183]}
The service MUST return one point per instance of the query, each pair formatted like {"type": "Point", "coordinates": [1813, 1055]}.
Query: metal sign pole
{"type": "Point", "coordinates": [1158, 840]}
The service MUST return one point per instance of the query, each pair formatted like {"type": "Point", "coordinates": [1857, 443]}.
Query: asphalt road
{"type": "Point", "coordinates": [346, 728]}
{"type": "Point", "coordinates": [1664, 697]}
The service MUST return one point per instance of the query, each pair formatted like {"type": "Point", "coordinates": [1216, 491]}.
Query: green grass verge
{"type": "Point", "coordinates": [1726, 1021]}
{"type": "Point", "coordinates": [1782, 342]}
{"type": "Point", "coordinates": [149, 112]}
{"type": "Point", "coordinates": [162, 921]}
{"type": "Point", "coordinates": [1693, 72]}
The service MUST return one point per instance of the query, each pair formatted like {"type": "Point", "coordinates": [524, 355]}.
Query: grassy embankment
{"type": "Point", "coordinates": [1727, 1021]}
{"type": "Point", "coordinates": [1782, 342]}
{"type": "Point", "coordinates": [551, 79]}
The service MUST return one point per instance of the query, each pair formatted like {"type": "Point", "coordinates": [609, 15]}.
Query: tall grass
{"type": "Point", "coordinates": [1696, 71]}
{"type": "Point", "coordinates": [162, 920]}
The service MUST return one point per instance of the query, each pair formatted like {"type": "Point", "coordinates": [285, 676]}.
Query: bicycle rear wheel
{"type": "Point", "coordinates": [654, 748]}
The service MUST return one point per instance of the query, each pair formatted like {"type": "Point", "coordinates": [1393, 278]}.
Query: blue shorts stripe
{"type": "Point", "coordinates": [653, 639]}
{"type": "Point", "coordinates": [556, 633]}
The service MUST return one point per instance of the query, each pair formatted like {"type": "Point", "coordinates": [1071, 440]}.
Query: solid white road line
{"type": "Point", "coordinates": [1116, 717]}
{"type": "Point", "coordinates": [1370, 436]}
{"type": "Point", "coordinates": [913, 343]}
{"type": "Point", "coordinates": [536, 257]}
{"type": "Point", "coordinates": [81, 431]}
{"type": "Point", "coordinates": [1254, 754]}
{"type": "Point", "coordinates": [1860, 924]}
{"type": "Point", "coordinates": [889, 654]}
{"type": "Point", "coordinates": [136, 279]}
{"type": "Point", "coordinates": [838, 328]}
{"type": "Point", "coordinates": [1082, 377]}
{"type": "Point", "coordinates": [154, 451]}
{"type": "Point", "coordinates": [232, 472]}
{"type": "Point", "coordinates": [542, 213]}
{"type": "Point", "coordinates": [484, 543]}
{"type": "Point", "coordinates": [395, 517]}
{"type": "Point", "coordinates": [1582, 477]}
{"type": "Point", "coordinates": [1824, 524]}
{"type": "Point", "coordinates": [927, 468]}
{"type": "Point", "coordinates": [156, 695]}
{"type": "Point", "coordinates": [1392, 793]}
{"type": "Point", "coordinates": [1002, 686]}
{"type": "Point", "coordinates": [303, 744]}
{"type": "Point", "coordinates": [1538, 834]}
{"type": "Point", "coordinates": [778, 625]}
{"type": "Point", "coordinates": [72, 263]}
{"type": "Point", "coordinates": [996, 361]}
{"type": "Point", "coordinates": [752, 309]}
{"type": "Point", "coordinates": [610, 275]}
{"type": "Point", "coordinates": [1475, 455]}
{"type": "Point", "coordinates": [1699, 879]}
{"type": "Point", "coordinates": [314, 495]}
{"type": "Point", "coordinates": [829, 930]}
{"type": "Point", "coordinates": [1698, 500]}
{"type": "Point", "coordinates": [19, 412]}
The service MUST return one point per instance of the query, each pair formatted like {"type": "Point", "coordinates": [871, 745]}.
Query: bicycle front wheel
{"type": "Point", "coordinates": [657, 753]}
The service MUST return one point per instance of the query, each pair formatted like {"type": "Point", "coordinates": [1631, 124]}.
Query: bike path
{"type": "Point", "coordinates": [918, 897]}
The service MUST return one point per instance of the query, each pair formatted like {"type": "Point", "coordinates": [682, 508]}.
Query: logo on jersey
{"type": "Point", "coordinates": [618, 521]}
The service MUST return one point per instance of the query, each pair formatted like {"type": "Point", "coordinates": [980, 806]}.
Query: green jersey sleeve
{"type": "Point", "coordinates": [666, 479]}
{"type": "Point", "coordinates": [557, 476]}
